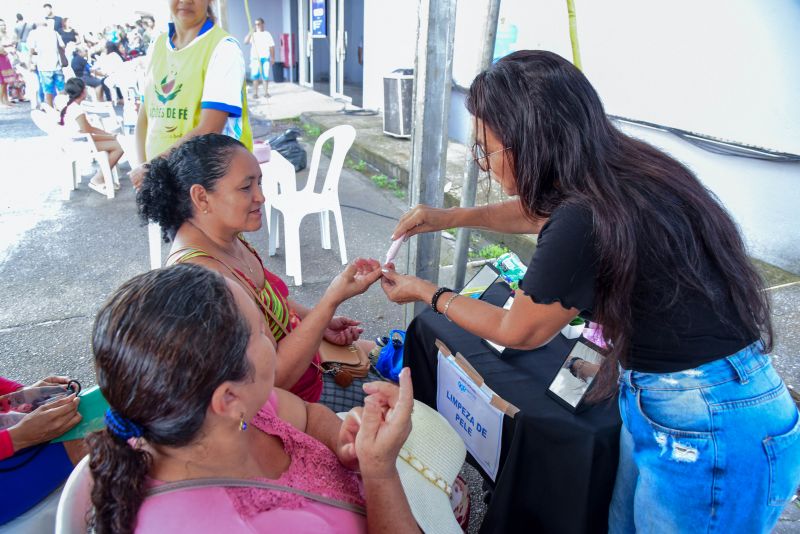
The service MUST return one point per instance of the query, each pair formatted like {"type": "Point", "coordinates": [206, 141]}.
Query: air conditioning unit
{"type": "Point", "coordinates": [398, 96]}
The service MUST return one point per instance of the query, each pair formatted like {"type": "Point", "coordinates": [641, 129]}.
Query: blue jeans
{"type": "Point", "coordinates": [710, 449]}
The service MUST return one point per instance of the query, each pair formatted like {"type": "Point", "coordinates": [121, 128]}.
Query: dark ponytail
{"type": "Point", "coordinates": [162, 344]}
{"type": "Point", "coordinates": [119, 470]}
{"type": "Point", "coordinates": [164, 197]}
{"type": "Point", "coordinates": [74, 89]}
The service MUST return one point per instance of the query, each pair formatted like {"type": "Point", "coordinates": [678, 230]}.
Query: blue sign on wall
{"type": "Point", "coordinates": [319, 26]}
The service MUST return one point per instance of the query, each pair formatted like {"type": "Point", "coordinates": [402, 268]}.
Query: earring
{"type": "Point", "coordinates": [242, 424]}
{"type": "Point", "coordinates": [205, 211]}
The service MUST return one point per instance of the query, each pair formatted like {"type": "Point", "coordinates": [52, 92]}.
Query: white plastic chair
{"type": "Point", "coordinates": [75, 501]}
{"type": "Point", "coordinates": [282, 195]}
{"type": "Point", "coordinates": [74, 147]}
{"type": "Point", "coordinates": [102, 115]}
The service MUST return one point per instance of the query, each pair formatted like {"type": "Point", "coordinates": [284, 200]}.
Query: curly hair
{"type": "Point", "coordinates": [164, 196]}
{"type": "Point", "coordinates": [162, 344]}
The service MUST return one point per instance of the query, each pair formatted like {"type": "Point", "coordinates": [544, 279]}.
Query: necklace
{"type": "Point", "coordinates": [229, 254]}
{"type": "Point", "coordinates": [245, 263]}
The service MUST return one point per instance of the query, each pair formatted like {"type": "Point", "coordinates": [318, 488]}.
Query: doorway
{"type": "Point", "coordinates": [350, 50]}
{"type": "Point", "coordinates": [338, 72]}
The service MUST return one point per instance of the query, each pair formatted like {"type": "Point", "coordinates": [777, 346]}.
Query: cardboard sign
{"type": "Point", "coordinates": [468, 408]}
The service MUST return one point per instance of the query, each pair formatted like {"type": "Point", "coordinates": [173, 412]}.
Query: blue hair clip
{"type": "Point", "coordinates": [120, 426]}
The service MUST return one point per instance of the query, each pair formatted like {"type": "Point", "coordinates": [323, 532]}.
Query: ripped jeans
{"type": "Point", "coordinates": [710, 449]}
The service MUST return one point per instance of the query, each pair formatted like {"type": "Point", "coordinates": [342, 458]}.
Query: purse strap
{"type": "Point", "coordinates": [171, 487]}
{"type": "Point", "coordinates": [244, 282]}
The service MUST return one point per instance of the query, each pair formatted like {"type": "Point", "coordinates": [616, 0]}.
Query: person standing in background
{"type": "Point", "coordinates": [262, 56]}
{"type": "Point", "coordinates": [194, 85]}
{"type": "Point", "coordinates": [67, 32]}
{"type": "Point", "coordinates": [44, 44]}
{"type": "Point", "coordinates": [49, 15]}
{"type": "Point", "coordinates": [22, 29]}
{"type": "Point", "coordinates": [7, 74]}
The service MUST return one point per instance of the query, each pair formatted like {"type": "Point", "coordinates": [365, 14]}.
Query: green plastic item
{"type": "Point", "coordinates": [93, 408]}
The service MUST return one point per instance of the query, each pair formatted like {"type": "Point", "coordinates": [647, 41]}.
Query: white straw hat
{"type": "Point", "coordinates": [429, 463]}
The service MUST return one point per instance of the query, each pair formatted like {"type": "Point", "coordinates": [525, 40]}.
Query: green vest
{"type": "Point", "coordinates": [175, 88]}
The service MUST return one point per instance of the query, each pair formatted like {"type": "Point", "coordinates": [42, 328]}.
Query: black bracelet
{"type": "Point", "coordinates": [435, 297]}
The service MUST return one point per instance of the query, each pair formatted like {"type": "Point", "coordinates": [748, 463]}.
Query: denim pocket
{"type": "Point", "coordinates": [682, 414]}
{"type": "Point", "coordinates": [783, 454]}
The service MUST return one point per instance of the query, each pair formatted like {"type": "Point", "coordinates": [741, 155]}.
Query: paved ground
{"type": "Point", "coordinates": [59, 261]}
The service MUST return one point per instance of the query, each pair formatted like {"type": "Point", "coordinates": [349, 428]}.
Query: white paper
{"type": "Point", "coordinates": [468, 410]}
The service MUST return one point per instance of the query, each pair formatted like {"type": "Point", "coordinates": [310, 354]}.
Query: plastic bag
{"type": "Point", "coordinates": [390, 361]}
{"type": "Point", "coordinates": [288, 147]}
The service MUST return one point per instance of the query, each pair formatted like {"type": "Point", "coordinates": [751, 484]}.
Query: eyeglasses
{"type": "Point", "coordinates": [482, 158]}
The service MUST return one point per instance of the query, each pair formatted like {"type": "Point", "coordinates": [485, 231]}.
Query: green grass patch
{"type": "Point", "coordinates": [389, 183]}
{"type": "Point", "coordinates": [311, 130]}
{"type": "Point", "coordinates": [492, 251]}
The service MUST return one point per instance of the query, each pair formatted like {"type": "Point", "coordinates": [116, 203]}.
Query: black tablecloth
{"type": "Point", "coordinates": [557, 469]}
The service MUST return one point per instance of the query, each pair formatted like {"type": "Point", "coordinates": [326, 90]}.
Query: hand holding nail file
{"type": "Point", "coordinates": [394, 249]}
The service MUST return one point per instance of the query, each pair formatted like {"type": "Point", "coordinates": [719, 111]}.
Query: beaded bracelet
{"type": "Point", "coordinates": [435, 297]}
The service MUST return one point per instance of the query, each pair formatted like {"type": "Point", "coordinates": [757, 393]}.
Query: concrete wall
{"type": "Point", "coordinates": [762, 196]}
{"type": "Point", "coordinates": [390, 42]}
{"type": "Point", "coordinates": [720, 68]}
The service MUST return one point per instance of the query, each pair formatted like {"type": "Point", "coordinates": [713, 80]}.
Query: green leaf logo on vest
{"type": "Point", "coordinates": [167, 93]}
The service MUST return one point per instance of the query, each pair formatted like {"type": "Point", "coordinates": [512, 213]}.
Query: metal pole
{"type": "Point", "coordinates": [433, 73]}
{"type": "Point", "coordinates": [470, 186]}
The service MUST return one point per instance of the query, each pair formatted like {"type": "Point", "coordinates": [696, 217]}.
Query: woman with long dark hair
{"type": "Point", "coordinates": [630, 238]}
{"type": "Point", "coordinates": [188, 367]}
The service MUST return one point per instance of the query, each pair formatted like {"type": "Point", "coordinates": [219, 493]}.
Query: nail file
{"type": "Point", "coordinates": [394, 249]}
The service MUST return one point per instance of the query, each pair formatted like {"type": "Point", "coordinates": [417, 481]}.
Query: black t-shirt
{"type": "Point", "coordinates": [79, 65]}
{"type": "Point", "coordinates": [68, 36]}
{"type": "Point", "coordinates": [666, 338]}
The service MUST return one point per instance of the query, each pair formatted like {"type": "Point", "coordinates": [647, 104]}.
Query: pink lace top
{"type": "Point", "coordinates": [313, 468]}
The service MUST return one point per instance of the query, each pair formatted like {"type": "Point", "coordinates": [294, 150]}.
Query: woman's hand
{"type": "Point", "coordinates": [51, 381]}
{"type": "Point", "coordinates": [385, 425]}
{"type": "Point", "coordinates": [46, 422]}
{"type": "Point", "coordinates": [354, 280]}
{"type": "Point", "coordinates": [346, 447]}
{"type": "Point", "coordinates": [342, 331]}
{"type": "Point", "coordinates": [421, 219]}
{"type": "Point", "coordinates": [403, 288]}
{"type": "Point", "coordinates": [137, 175]}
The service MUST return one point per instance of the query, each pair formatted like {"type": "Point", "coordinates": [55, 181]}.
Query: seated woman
{"type": "Point", "coordinates": [106, 66]}
{"type": "Point", "coordinates": [80, 65]}
{"type": "Point", "coordinates": [204, 194]}
{"type": "Point", "coordinates": [28, 463]}
{"type": "Point", "coordinates": [203, 405]}
{"type": "Point", "coordinates": [74, 118]}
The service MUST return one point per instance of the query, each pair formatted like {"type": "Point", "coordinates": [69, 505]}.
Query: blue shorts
{"type": "Point", "coordinates": [259, 68]}
{"type": "Point", "coordinates": [31, 475]}
{"type": "Point", "coordinates": [51, 81]}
